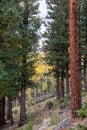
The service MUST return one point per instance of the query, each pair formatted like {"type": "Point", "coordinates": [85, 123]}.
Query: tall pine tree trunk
{"type": "Point", "coordinates": [62, 84]}
{"type": "Point", "coordinates": [7, 111]}
{"type": "Point", "coordinates": [57, 89]}
{"type": "Point", "coordinates": [74, 60]}
{"type": "Point", "coordinates": [9, 115]}
{"type": "Point", "coordinates": [23, 93]}
{"type": "Point", "coordinates": [67, 81]}
{"type": "Point", "coordinates": [23, 116]}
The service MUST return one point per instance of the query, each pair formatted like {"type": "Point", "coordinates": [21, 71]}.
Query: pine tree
{"type": "Point", "coordinates": [57, 43]}
{"type": "Point", "coordinates": [29, 35]}
{"type": "Point", "coordinates": [75, 84]}
{"type": "Point", "coordinates": [17, 47]}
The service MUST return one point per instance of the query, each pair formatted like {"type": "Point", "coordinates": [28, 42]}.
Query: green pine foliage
{"type": "Point", "coordinates": [82, 35]}
{"type": "Point", "coordinates": [13, 37]}
{"type": "Point", "coordinates": [57, 44]}
{"type": "Point", "coordinates": [57, 40]}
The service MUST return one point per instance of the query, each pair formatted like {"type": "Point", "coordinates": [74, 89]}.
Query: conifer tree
{"type": "Point", "coordinates": [74, 63]}
{"type": "Point", "coordinates": [18, 44]}
{"type": "Point", "coordinates": [29, 35]}
{"type": "Point", "coordinates": [57, 43]}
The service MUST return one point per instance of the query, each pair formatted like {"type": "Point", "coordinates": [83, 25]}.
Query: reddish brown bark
{"type": "Point", "coordinates": [74, 60]}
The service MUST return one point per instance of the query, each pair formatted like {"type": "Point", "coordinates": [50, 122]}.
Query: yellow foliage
{"type": "Point", "coordinates": [41, 69]}
{"type": "Point", "coordinates": [41, 66]}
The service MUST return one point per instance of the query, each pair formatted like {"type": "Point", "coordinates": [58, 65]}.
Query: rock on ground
{"type": "Point", "coordinates": [45, 125]}
{"type": "Point", "coordinates": [63, 124]}
{"type": "Point", "coordinates": [84, 122]}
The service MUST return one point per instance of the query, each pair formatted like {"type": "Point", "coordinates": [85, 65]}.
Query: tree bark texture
{"type": "Point", "coordinates": [74, 60]}
{"type": "Point", "coordinates": [85, 73]}
{"type": "Point", "coordinates": [85, 58]}
{"type": "Point", "coordinates": [24, 73]}
{"type": "Point", "coordinates": [1, 123]}
{"type": "Point", "coordinates": [62, 84]}
{"type": "Point", "coordinates": [57, 89]}
{"type": "Point", "coordinates": [3, 110]}
{"type": "Point", "coordinates": [67, 82]}
{"type": "Point", "coordinates": [7, 111]}
{"type": "Point", "coordinates": [10, 114]}
{"type": "Point", "coordinates": [23, 93]}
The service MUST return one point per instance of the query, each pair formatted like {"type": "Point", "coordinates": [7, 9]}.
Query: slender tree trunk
{"type": "Point", "coordinates": [80, 70]}
{"type": "Point", "coordinates": [85, 58]}
{"type": "Point", "coordinates": [67, 87]}
{"type": "Point", "coordinates": [8, 111]}
{"type": "Point", "coordinates": [57, 89]}
{"type": "Point", "coordinates": [74, 60]}
{"type": "Point", "coordinates": [9, 115]}
{"type": "Point", "coordinates": [22, 108]}
{"type": "Point", "coordinates": [23, 93]}
{"type": "Point", "coordinates": [3, 111]}
{"type": "Point", "coordinates": [62, 84]}
{"type": "Point", "coordinates": [79, 40]}
{"type": "Point", "coordinates": [23, 116]}
{"type": "Point", "coordinates": [85, 79]}
{"type": "Point", "coordinates": [1, 121]}
{"type": "Point", "coordinates": [67, 82]}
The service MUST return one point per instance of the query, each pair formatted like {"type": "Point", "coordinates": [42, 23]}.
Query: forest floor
{"type": "Point", "coordinates": [58, 117]}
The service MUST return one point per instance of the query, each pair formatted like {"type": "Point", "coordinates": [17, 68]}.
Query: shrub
{"type": "Point", "coordinates": [81, 127]}
{"type": "Point", "coordinates": [83, 112]}
{"type": "Point", "coordinates": [29, 126]}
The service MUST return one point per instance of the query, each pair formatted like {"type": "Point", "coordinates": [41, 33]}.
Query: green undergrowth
{"type": "Point", "coordinates": [54, 120]}
{"type": "Point", "coordinates": [83, 112]}
{"type": "Point", "coordinates": [28, 125]}
{"type": "Point", "coordinates": [80, 127]}
{"type": "Point", "coordinates": [65, 102]}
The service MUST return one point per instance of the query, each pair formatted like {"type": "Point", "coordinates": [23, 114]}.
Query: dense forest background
{"type": "Point", "coordinates": [30, 74]}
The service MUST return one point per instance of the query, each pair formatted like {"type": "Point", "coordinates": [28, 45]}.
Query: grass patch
{"type": "Point", "coordinates": [29, 126]}
{"type": "Point", "coordinates": [80, 127]}
{"type": "Point", "coordinates": [54, 120]}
